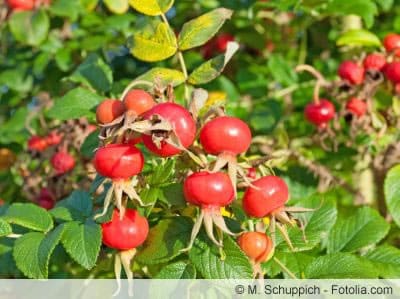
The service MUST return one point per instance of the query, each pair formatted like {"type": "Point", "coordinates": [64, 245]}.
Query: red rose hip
{"type": "Point", "coordinates": [256, 245]}
{"type": "Point", "coordinates": [320, 113]}
{"type": "Point", "coordinates": [182, 124]}
{"type": "Point", "coordinates": [356, 106]}
{"type": "Point", "coordinates": [351, 72]}
{"type": "Point", "coordinates": [138, 101]}
{"type": "Point", "coordinates": [126, 233]}
{"type": "Point", "coordinates": [207, 189]}
{"type": "Point", "coordinates": [392, 43]}
{"type": "Point", "coordinates": [374, 61]}
{"type": "Point", "coordinates": [271, 194]}
{"type": "Point", "coordinates": [109, 110]}
{"type": "Point", "coordinates": [225, 134]}
{"type": "Point", "coordinates": [118, 161]}
{"type": "Point", "coordinates": [62, 162]}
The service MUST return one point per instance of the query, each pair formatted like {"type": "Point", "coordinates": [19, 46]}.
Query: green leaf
{"type": "Point", "coordinates": [386, 259]}
{"type": "Point", "coordinates": [359, 37]}
{"type": "Point", "coordinates": [296, 262]}
{"type": "Point", "coordinates": [212, 68]}
{"type": "Point", "coordinates": [318, 223]}
{"type": "Point", "coordinates": [75, 104]}
{"type": "Point", "coordinates": [5, 228]}
{"type": "Point", "coordinates": [340, 265]}
{"type": "Point", "coordinates": [162, 172]}
{"type": "Point", "coordinates": [30, 27]}
{"type": "Point", "coordinates": [95, 73]}
{"type": "Point", "coordinates": [90, 144]}
{"type": "Point", "coordinates": [66, 8]}
{"type": "Point", "coordinates": [154, 44]}
{"type": "Point", "coordinates": [392, 193]}
{"type": "Point", "coordinates": [151, 7]}
{"type": "Point", "coordinates": [201, 29]}
{"type": "Point", "coordinates": [207, 259]}
{"type": "Point", "coordinates": [281, 70]}
{"type": "Point", "coordinates": [364, 8]}
{"type": "Point", "coordinates": [77, 206]}
{"type": "Point", "coordinates": [33, 250]}
{"type": "Point", "coordinates": [364, 228]}
{"type": "Point", "coordinates": [82, 241]}
{"type": "Point", "coordinates": [165, 240]}
{"type": "Point", "coordinates": [173, 195]}
{"type": "Point", "coordinates": [117, 6]}
{"type": "Point", "coordinates": [29, 216]}
{"type": "Point", "coordinates": [178, 270]}
{"type": "Point", "coordinates": [164, 75]}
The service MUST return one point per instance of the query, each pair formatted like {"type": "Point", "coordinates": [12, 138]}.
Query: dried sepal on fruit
{"type": "Point", "coordinates": [226, 137]}
{"type": "Point", "coordinates": [267, 198]}
{"type": "Point", "coordinates": [211, 192]}
{"type": "Point", "coordinates": [119, 163]}
{"type": "Point", "coordinates": [125, 234]}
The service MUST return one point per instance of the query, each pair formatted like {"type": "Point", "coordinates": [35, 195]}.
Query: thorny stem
{"type": "Point", "coordinates": [284, 268]}
{"type": "Point", "coordinates": [320, 79]}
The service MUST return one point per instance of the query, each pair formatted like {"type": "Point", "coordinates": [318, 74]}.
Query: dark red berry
{"type": "Point", "coordinates": [46, 199]}
{"type": "Point", "coordinates": [62, 162]}
{"type": "Point", "coordinates": [351, 72]}
{"type": "Point", "coordinates": [392, 71]}
{"type": "Point", "coordinates": [321, 113]}
{"type": "Point", "coordinates": [356, 106]}
{"type": "Point", "coordinates": [37, 143]}
{"type": "Point", "coordinates": [53, 138]}
{"type": "Point", "coordinates": [375, 61]}
{"type": "Point", "coordinates": [392, 43]}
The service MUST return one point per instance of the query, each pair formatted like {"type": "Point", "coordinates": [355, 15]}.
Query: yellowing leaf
{"type": "Point", "coordinates": [212, 68]}
{"type": "Point", "coordinates": [200, 30]}
{"type": "Point", "coordinates": [163, 76]}
{"type": "Point", "coordinates": [154, 46]}
{"type": "Point", "coordinates": [151, 7]}
{"type": "Point", "coordinates": [117, 6]}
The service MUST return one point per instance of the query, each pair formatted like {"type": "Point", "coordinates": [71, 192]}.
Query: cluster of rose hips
{"type": "Point", "coordinates": [356, 74]}
{"type": "Point", "coordinates": [21, 5]}
{"type": "Point", "coordinates": [61, 161]}
{"type": "Point", "coordinates": [168, 129]}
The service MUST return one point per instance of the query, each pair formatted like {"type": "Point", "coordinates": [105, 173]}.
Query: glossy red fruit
{"type": "Point", "coordinates": [53, 138]}
{"type": "Point", "coordinates": [392, 43]}
{"type": "Point", "coordinates": [374, 61]}
{"type": "Point", "coordinates": [62, 162]}
{"type": "Point", "coordinates": [118, 161]}
{"type": "Point", "coordinates": [208, 190]}
{"type": "Point", "coordinates": [46, 199]}
{"type": "Point", "coordinates": [37, 143]}
{"type": "Point", "coordinates": [109, 110]}
{"type": "Point", "coordinates": [392, 71]}
{"type": "Point", "coordinates": [321, 113]}
{"type": "Point", "coordinates": [222, 40]}
{"type": "Point", "coordinates": [182, 123]}
{"type": "Point", "coordinates": [128, 233]}
{"type": "Point", "coordinates": [138, 101]}
{"type": "Point", "coordinates": [257, 246]}
{"type": "Point", "coordinates": [356, 106]}
{"type": "Point", "coordinates": [352, 72]}
{"type": "Point", "coordinates": [225, 134]}
{"type": "Point", "coordinates": [21, 4]}
{"type": "Point", "coordinates": [272, 193]}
